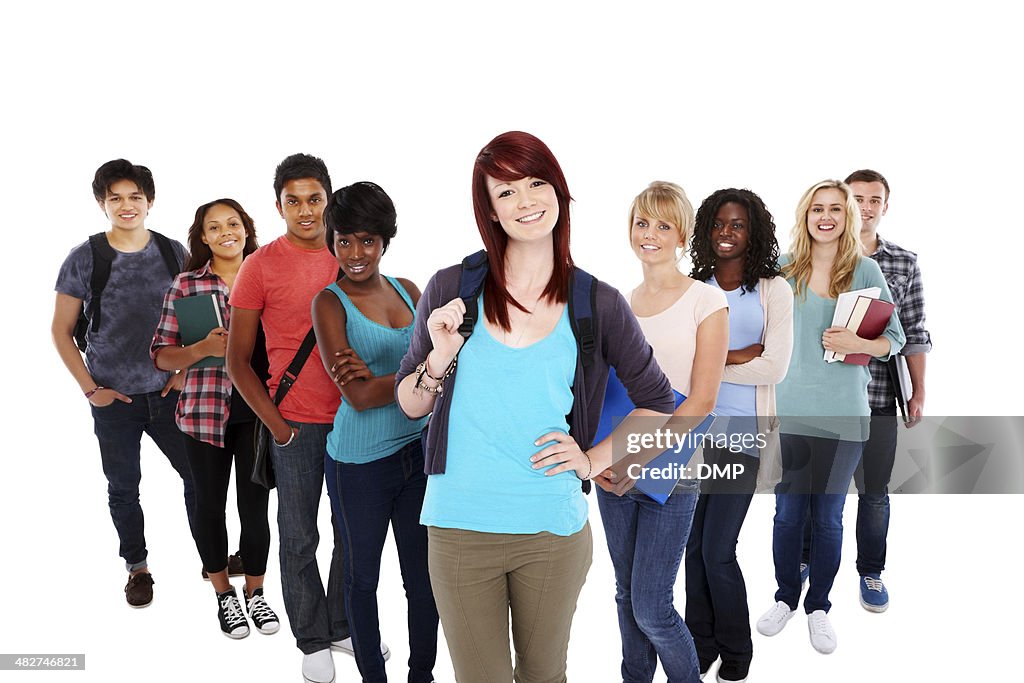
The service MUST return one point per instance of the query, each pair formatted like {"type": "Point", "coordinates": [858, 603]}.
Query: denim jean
{"type": "Point", "coordinates": [119, 428]}
{"type": "Point", "coordinates": [366, 498]}
{"type": "Point", "coordinates": [317, 618]}
{"type": "Point", "coordinates": [716, 594]}
{"type": "Point", "coordinates": [807, 459]}
{"type": "Point", "coordinates": [646, 541]}
{"type": "Point", "coordinates": [872, 478]}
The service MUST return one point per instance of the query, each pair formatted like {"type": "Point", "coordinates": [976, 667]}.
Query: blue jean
{"type": "Point", "coordinates": [872, 479]}
{"type": "Point", "coordinates": [816, 474]}
{"type": "Point", "coordinates": [119, 428]}
{"type": "Point", "coordinates": [646, 542]}
{"type": "Point", "coordinates": [716, 594]}
{"type": "Point", "coordinates": [366, 498]}
{"type": "Point", "coordinates": [316, 618]}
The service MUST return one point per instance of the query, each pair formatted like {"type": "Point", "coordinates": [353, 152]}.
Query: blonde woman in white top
{"type": "Point", "coordinates": [686, 323]}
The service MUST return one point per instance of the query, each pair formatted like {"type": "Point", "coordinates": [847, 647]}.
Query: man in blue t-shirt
{"type": "Point", "coordinates": [127, 393]}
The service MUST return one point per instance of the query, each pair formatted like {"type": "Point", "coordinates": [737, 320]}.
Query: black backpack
{"type": "Point", "coordinates": [102, 259]}
{"type": "Point", "coordinates": [582, 292]}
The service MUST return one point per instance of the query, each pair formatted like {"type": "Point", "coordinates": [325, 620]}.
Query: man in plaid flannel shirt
{"type": "Point", "coordinates": [899, 266]}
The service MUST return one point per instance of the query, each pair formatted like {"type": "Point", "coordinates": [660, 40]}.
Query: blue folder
{"type": "Point", "coordinates": [615, 408]}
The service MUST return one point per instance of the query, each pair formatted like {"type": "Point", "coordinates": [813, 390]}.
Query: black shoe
{"type": "Point", "coordinates": [731, 672]}
{"type": "Point", "coordinates": [139, 590]}
{"type": "Point", "coordinates": [705, 664]}
{"type": "Point", "coordinates": [235, 567]}
{"type": "Point", "coordinates": [232, 620]}
{"type": "Point", "coordinates": [262, 616]}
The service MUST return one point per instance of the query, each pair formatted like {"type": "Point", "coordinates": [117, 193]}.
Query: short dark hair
{"type": "Point", "coordinates": [866, 175]}
{"type": "Point", "coordinates": [762, 250]}
{"type": "Point", "coordinates": [360, 207]}
{"type": "Point", "coordinates": [122, 169]}
{"type": "Point", "coordinates": [299, 166]}
{"type": "Point", "coordinates": [199, 252]}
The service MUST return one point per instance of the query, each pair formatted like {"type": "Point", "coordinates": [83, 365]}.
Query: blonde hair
{"type": "Point", "coordinates": [665, 201]}
{"type": "Point", "coordinates": [799, 268]}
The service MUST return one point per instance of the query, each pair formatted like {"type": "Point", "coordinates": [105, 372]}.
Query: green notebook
{"type": "Point", "coordinates": [197, 315]}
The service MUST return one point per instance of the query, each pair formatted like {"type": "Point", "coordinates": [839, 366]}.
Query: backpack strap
{"type": "Point", "coordinates": [298, 362]}
{"type": "Point", "coordinates": [167, 251]}
{"type": "Point", "coordinates": [471, 282]}
{"type": "Point", "coordinates": [102, 260]}
{"type": "Point", "coordinates": [582, 303]}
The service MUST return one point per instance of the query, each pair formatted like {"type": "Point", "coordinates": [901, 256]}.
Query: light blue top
{"type": "Point", "coordinates": [736, 401]}
{"type": "Point", "coordinates": [814, 388]}
{"type": "Point", "coordinates": [504, 400]}
{"type": "Point", "coordinates": [360, 437]}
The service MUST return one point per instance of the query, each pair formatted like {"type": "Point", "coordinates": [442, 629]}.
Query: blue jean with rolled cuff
{"type": "Point", "coordinates": [646, 541]}
{"type": "Point", "coordinates": [317, 617]}
{"type": "Point", "coordinates": [119, 428]}
{"type": "Point", "coordinates": [816, 475]}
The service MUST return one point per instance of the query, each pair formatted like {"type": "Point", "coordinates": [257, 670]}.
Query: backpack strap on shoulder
{"type": "Point", "coordinates": [102, 260]}
{"type": "Point", "coordinates": [471, 282]}
{"type": "Point", "coordinates": [167, 252]}
{"type": "Point", "coordinates": [582, 296]}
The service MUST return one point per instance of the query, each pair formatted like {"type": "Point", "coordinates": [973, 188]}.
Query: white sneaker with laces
{"type": "Point", "coordinates": [823, 638]}
{"type": "Point", "coordinates": [774, 620]}
{"type": "Point", "coordinates": [318, 667]}
{"type": "Point", "coordinates": [345, 646]}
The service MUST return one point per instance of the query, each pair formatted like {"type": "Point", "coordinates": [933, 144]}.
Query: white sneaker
{"type": "Point", "coordinates": [345, 646]}
{"type": "Point", "coordinates": [823, 638]}
{"type": "Point", "coordinates": [318, 667]}
{"type": "Point", "coordinates": [774, 620]}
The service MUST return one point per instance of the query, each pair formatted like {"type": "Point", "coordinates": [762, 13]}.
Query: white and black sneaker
{"type": "Point", "coordinates": [232, 620]}
{"type": "Point", "coordinates": [263, 618]}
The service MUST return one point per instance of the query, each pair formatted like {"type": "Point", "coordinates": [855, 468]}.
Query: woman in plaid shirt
{"type": "Point", "coordinates": [217, 423]}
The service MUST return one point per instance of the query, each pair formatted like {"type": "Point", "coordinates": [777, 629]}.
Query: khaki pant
{"type": "Point", "coordinates": [478, 577]}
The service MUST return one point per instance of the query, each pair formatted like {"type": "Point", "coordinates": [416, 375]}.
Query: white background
{"type": "Point", "coordinates": [212, 95]}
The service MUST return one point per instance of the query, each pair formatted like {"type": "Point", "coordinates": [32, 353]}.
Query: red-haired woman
{"type": "Point", "coordinates": [509, 442]}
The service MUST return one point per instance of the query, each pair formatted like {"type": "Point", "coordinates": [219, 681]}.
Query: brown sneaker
{"type": "Point", "coordinates": [235, 567]}
{"type": "Point", "coordinates": [139, 590]}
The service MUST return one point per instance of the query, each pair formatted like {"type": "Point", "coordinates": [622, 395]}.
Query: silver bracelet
{"type": "Point", "coordinates": [291, 438]}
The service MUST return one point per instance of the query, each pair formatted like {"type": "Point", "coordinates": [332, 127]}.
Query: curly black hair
{"type": "Point", "coordinates": [763, 250]}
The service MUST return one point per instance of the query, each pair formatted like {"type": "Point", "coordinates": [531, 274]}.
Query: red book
{"type": "Point", "coordinates": [868, 319]}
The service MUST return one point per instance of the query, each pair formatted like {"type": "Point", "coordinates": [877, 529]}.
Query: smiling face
{"type": "Point", "coordinates": [223, 232]}
{"type": "Point", "coordinates": [826, 217]}
{"type": "Point", "coordinates": [655, 240]}
{"type": "Point", "coordinates": [526, 209]}
{"type": "Point", "coordinates": [872, 202]}
{"type": "Point", "coordinates": [730, 232]}
{"type": "Point", "coordinates": [358, 254]}
{"type": "Point", "coordinates": [126, 206]}
{"type": "Point", "coordinates": [301, 205]}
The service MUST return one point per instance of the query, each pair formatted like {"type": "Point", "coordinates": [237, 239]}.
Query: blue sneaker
{"type": "Point", "coordinates": [873, 596]}
{"type": "Point", "coordinates": [805, 571]}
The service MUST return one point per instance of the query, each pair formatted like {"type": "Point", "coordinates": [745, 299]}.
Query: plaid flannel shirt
{"type": "Point", "coordinates": [899, 267]}
{"type": "Point", "coordinates": [205, 400]}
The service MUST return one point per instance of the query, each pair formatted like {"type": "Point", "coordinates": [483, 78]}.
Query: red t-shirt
{"type": "Point", "coordinates": [281, 280]}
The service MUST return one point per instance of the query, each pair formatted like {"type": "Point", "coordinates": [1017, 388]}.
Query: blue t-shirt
{"type": "Point", "coordinates": [360, 437]}
{"type": "Point", "coordinates": [504, 400]}
{"type": "Point", "coordinates": [118, 354]}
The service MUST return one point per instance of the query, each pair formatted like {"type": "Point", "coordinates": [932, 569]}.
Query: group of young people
{"type": "Point", "coordinates": [484, 483]}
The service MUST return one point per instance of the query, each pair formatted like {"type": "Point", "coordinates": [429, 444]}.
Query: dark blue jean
{"type": "Point", "coordinates": [316, 617]}
{"type": "Point", "coordinates": [646, 542]}
{"type": "Point", "coordinates": [119, 428]}
{"type": "Point", "coordinates": [366, 498]}
{"type": "Point", "coordinates": [806, 459]}
{"type": "Point", "coordinates": [872, 478]}
{"type": "Point", "coordinates": [716, 594]}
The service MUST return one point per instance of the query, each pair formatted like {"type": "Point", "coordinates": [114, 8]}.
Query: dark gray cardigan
{"type": "Point", "coordinates": [619, 343]}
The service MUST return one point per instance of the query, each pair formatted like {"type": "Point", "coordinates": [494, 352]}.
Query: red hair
{"type": "Point", "coordinates": [512, 156]}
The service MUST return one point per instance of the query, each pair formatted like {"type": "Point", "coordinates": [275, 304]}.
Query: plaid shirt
{"type": "Point", "coordinates": [899, 267]}
{"type": "Point", "coordinates": [205, 401]}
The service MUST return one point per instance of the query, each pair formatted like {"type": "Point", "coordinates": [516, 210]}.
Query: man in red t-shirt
{"type": "Point", "coordinates": [275, 287]}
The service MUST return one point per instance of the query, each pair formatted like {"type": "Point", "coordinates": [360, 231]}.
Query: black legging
{"type": "Point", "coordinates": [211, 472]}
